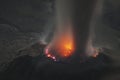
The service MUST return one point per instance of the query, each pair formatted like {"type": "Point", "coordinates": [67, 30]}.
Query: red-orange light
{"type": "Point", "coordinates": [65, 47]}
{"type": "Point", "coordinates": [62, 44]}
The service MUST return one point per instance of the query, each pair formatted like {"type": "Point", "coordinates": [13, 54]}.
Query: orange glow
{"type": "Point", "coordinates": [65, 46]}
{"type": "Point", "coordinates": [62, 44]}
{"type": "Point", "coordinates": [68, 48]}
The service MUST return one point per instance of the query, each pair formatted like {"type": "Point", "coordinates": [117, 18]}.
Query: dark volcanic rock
{"type": "Point", "coordinates": [42, 68]}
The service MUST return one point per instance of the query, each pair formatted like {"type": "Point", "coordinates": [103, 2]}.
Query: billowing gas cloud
{"type": "Point", "coordinates": [74, 28]}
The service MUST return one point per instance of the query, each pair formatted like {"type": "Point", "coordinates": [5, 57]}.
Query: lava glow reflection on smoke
{"type": "Point", "coordinates": [61, 46]}
{"type": "Point", "coordinates": [66, 47]}
{"type": "Point", "coordinates": [64, 42]}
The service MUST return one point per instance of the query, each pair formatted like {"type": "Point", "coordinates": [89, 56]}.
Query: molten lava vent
{"type": "Point", "coordinates": [72, 35]}
{"type": "Point", "coordinates": [62, 45]}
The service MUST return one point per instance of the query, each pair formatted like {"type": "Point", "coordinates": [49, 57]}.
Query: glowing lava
{"type": "Point", "coordinates": [62, 47]}
{"type": "Point", "coordinates": [65, 47]}
{"type": "Point", "coordinates": [72, 31]}
{"type": "Point", "coordinates": [62, 44]}
{"type": "Point", "coordinates": [49, 55]}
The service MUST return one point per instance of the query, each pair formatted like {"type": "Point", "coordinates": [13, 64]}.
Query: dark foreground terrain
{"type": "Point", "coordinates": [41, 68]}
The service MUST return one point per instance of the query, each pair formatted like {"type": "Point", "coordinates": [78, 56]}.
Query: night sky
{"type": "Point", "coordinates": [26, 24]}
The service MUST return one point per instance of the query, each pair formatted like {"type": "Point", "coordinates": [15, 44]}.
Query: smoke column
{"type": "Point", "coordinates": [73, 19]}
{"type": "Point", "coordinates": [82, 15]}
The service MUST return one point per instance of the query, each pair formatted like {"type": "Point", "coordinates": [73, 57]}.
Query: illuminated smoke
{"type": "Point", "coordinates": [62, 44]}
{"type": "Point", "coordinates": [72, 35]}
